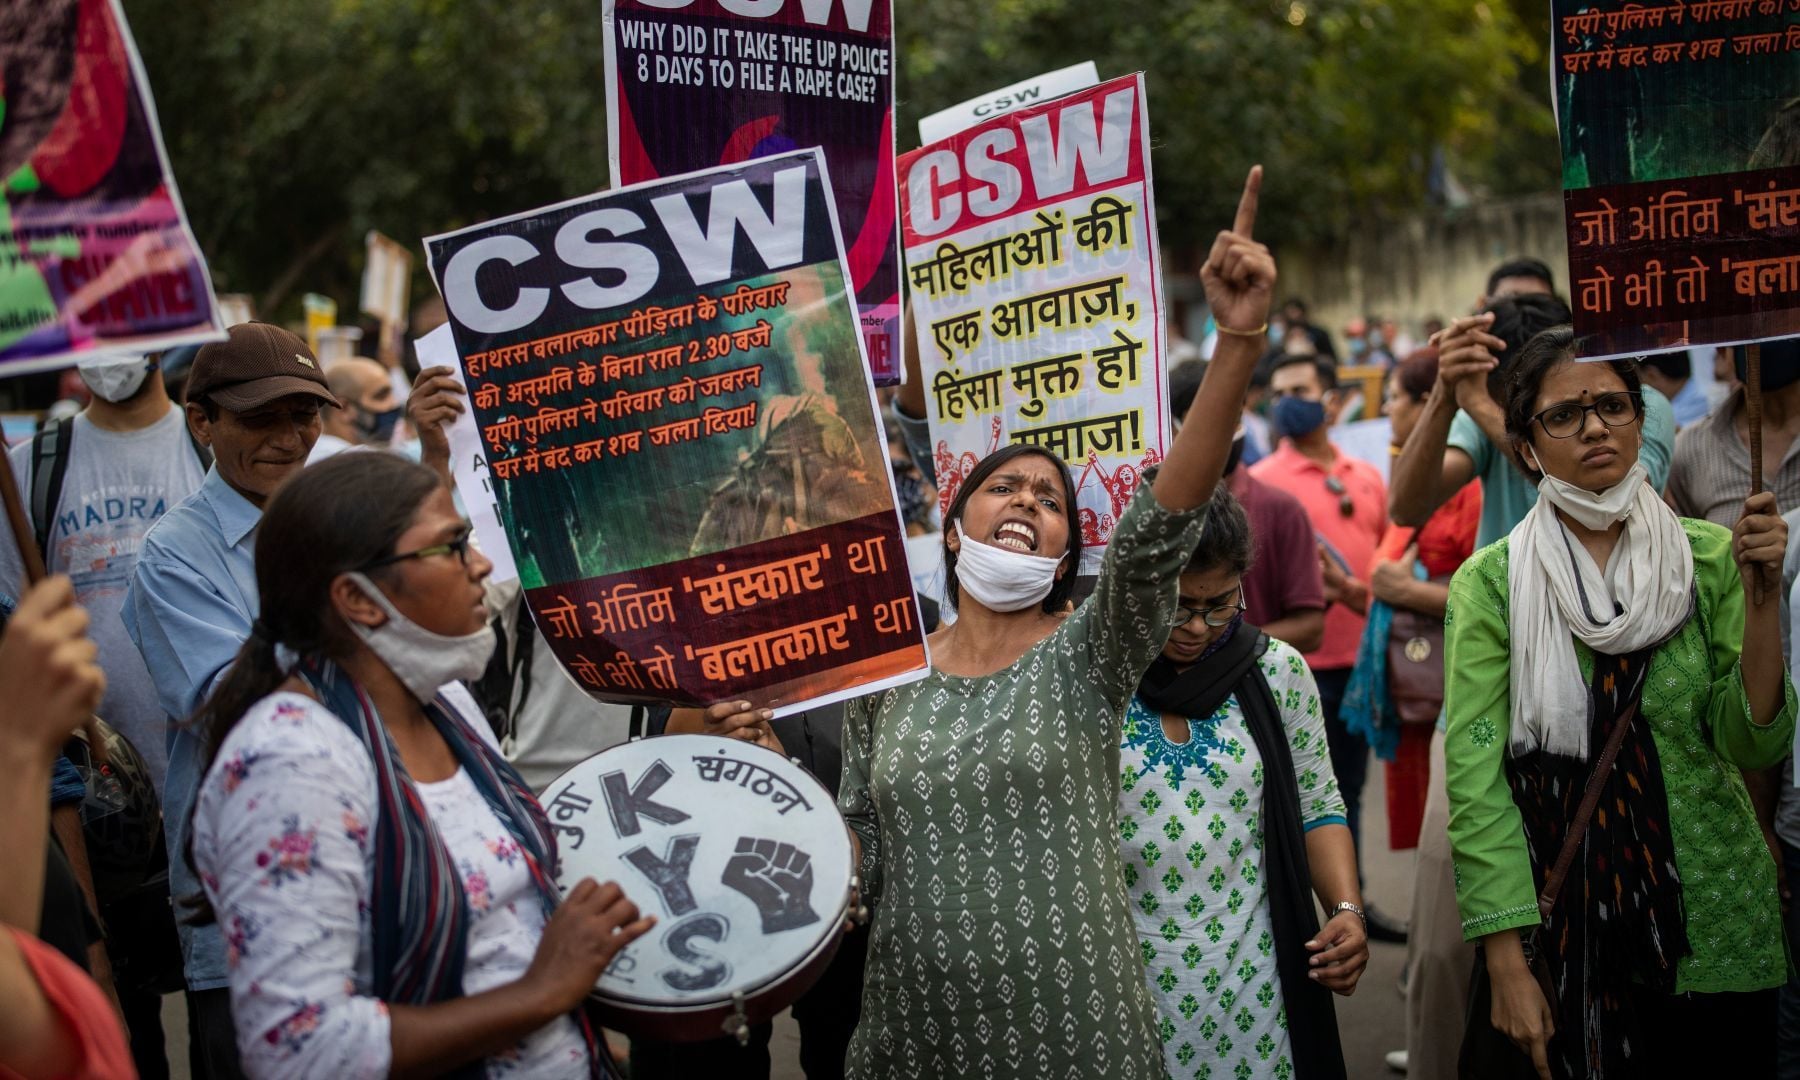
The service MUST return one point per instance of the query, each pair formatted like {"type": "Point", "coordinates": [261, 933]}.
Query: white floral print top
{"type": "Point", "coordinates": [284, 840]}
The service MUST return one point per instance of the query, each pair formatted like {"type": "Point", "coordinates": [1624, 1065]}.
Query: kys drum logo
{"type": "Point", "coordinates": [774, 875]}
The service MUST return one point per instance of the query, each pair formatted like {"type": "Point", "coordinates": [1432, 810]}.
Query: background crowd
{"type": "Point", "coordinates": [1410, 527]}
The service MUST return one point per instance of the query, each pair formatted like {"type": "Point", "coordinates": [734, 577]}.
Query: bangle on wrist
{"type": "Point", "coordinates": [1356, 909]}
{"type": "Point", "coordinates": [1258, 332]}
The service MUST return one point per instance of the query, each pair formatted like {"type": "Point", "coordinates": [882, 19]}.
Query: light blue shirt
{"type": "Point", "coordinates": [189, 609]}
{"type": "Point", "coordinates": [1690, 403]}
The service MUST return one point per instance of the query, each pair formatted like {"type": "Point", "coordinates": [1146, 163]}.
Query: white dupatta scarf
{"type": "Point", "coordinates": [1642, 598]}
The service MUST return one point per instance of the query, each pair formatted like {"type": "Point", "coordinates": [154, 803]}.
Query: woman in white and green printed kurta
{"type": "Point", "coordinates": [1191, 822]}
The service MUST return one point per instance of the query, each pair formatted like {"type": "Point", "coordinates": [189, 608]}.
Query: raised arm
{"type": "Point", "coordinates": [435, 403]}
{"type": "Point", "coordinates": [1429, 469]}
{"type": "Point", "coordinates": [1239, 276]}
{"type": "Point", "coordinates": [909, 401]}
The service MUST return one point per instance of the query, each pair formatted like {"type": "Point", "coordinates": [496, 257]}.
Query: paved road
{"type": "Point", "coordinates": [1371, 1023]}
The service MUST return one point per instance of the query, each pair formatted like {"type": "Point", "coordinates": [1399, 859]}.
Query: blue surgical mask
{"type": "Point", "coordinates": [1296, 417]}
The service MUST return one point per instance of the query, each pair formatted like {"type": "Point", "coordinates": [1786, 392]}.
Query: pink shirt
{"type": "Point", "coordinates": [1353, 536]}
{"type": "Point", "coordinates": [82, 1007]}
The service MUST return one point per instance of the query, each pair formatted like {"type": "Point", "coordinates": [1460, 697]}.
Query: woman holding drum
{"type": "Point", "coordinates": [383, 877]}
{"type": "Point", "coordinates": [984, 796]}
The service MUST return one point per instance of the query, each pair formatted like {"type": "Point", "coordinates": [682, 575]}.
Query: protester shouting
{"type": "Point", "coordinates": [385, 881]}
{"type": "Point", "coordinates": [255, 401]}
{"type": "Point", "coordinates": [983, 797]}
{"type": "Point", "coordinates": [1231, 820]}
{"type": "Point", "coordinates": [1602, 608]}
{"type": "Point", "coordinates": [56, 1021]}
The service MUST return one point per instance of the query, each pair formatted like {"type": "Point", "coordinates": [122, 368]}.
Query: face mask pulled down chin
{"type": "Point", "coordinates": [419, 658]}
{"type": "Point", "coordinates": [1594, 510]}
{"type": "Point", "coordinates": [1297, 418]}
{"type": "Point", "coordinates": [115, 380]}
{"type": "Point", "coordinates": [1002, 580]}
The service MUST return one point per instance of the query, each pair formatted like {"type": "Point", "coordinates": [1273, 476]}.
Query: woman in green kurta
{"type": "Point", "coordinates": [984, 797]}
{"type": "Point", "coordinates": [1666, 939]}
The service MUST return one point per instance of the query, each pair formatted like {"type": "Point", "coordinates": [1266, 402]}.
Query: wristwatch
{"type": "Point", "coordinates": [1345, 905]}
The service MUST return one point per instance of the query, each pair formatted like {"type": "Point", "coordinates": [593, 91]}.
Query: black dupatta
{"type": "Point", "coordinates": [1196, 693]}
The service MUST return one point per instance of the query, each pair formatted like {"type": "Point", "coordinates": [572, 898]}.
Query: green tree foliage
{"type": "Point", "coordinates": [1346, 102]}
{"type": "Point", "coordinates": [296, 125]}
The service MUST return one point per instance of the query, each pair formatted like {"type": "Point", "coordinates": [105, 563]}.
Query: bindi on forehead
{"type": "Point", "coordinates": [1571, 383]}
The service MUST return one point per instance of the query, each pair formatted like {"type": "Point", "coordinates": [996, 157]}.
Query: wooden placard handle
{"type": "Point", "coordinates": [21, 529]}
{"type": "Point", "coordinates": [1753, 421]}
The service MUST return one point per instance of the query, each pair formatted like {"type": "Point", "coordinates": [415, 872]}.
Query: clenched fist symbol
{"type": "Point", "coordinates": [777, 878]}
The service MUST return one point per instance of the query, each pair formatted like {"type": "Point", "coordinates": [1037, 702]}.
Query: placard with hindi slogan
{"type": "Point", "coordinates": [691, 84]}
{"type": "Point", "coordinates": [681, 432]}
{"type": "Point", "coordinates": [1681, 170]}
{"type": "Point", "coordinates": [1037, 289]}
{"type": "Point", "coordinates": [97, 254]}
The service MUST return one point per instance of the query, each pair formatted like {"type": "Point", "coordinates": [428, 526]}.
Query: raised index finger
{"type": "Point", "coordinates": [1245, 225]}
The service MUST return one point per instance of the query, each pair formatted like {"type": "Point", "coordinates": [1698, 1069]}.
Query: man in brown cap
{"type": "Point", "coordinates": [255, 400]}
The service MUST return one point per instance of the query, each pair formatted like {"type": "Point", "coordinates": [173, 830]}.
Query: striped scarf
{"type": "Point", "coordinates": [419, 915]}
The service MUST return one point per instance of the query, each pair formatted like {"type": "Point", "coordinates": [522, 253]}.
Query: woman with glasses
{"type": "Point", "coordinates": [1602, 612]}
{"type": "Point", "coordinates": [1231, 822]}
{"type": "Point", "coordinates": [383, 878]}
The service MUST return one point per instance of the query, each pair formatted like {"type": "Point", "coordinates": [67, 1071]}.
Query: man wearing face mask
{"type": "Point", "coordinates": [1712, 457]}
{"type": "Point", "coordinates": [93, 486]}
{"type": "Point", "coordinates": [255, 400]}
{"type": "Point", "coordinates": [370, 413]}
{"type": "Point", "coordinates": [1712, 463]}
{"type": "Point", "coordinates": [1284, 594]}
{"type": "Point", "coordinates": [1347, 504]}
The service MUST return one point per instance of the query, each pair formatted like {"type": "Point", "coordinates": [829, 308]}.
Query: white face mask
{"type": "Point", "coordinates": [999, 579]}
{"type": "Point", "coordinates": [421, 659]}
{"type": "Point", "coordinates": [114, 379]}
{"type": "Point", "coordinates": [1594, 511]}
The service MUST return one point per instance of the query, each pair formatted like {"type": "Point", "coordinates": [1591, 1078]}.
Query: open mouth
{"type": "Point", "coordinates": [1016, 536]}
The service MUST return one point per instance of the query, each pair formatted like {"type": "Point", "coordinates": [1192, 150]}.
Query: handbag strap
{"type": "Point", "coordinates": [1590, 801]}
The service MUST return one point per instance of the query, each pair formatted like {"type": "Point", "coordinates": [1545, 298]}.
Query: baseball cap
{"type": "Point", "coordinates": [257, 363]}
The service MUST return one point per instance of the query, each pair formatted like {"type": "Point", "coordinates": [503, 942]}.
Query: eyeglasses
{"type": "Point", "coordinates": [1346, 506]}
{"type": "Point", "coordinates": [1566, 420]}
{"type": "Point", "coordinates": [1216, 616]}
{"type": "Point", "coordinates": [458, 547]}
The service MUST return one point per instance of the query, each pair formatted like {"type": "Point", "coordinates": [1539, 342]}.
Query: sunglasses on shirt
{"type": "Point", "coordinates": [1345, 506]}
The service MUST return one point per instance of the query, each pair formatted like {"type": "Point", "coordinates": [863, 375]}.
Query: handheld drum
{"type": "Point", "coordinates": [740, 854]}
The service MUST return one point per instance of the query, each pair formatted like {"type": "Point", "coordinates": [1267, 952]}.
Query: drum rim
{"type": "Point", "coordinates": [825, 941]}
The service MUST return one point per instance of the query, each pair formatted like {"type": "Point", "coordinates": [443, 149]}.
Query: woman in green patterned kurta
{"type": "Point", "coordinates": [1667, 938]}
{"type": "Point", "coordinates": [984, 797]}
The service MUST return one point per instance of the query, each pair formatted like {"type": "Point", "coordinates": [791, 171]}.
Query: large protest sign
{"type": "Point", "coordinates": [95, 251]}
{"type": "Point", "coordinates": [696, 83]}
{"type": "Point", "coordinates": [1681, 170]}
{"type": "Point", "coordinates": [683, 437]}
{"type": "Point", "coordinates": [1036, 284]}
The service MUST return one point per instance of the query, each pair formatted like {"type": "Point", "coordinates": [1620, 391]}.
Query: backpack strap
{"type": "Point", "coordinates": [49, 466]}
